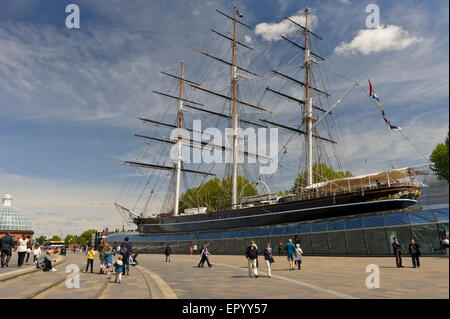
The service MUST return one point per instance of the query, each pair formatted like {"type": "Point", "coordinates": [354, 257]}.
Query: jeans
{"type": "Point", "coordinates": [21, 258]}
{"type": "Point", "coordinates": [398, 259]}
{"type": "Point", "coordinates": [90, 262]}
{"type": "Point", "coordinates": [167, 258]}
{"type": "Point", "coordinates": [415, 261]}
{"type": "Point", "coordinates": [5, 253]}
{"type": "Point", "coordinates": [202, 261]}
{"type": "Point", "coordinates": [252, 268]}
{"type": "Point", "coordinates": [126, 263]}
{"type": "Point", "coordinates": [28, 257]}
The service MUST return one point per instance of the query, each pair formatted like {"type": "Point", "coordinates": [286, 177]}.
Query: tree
{"type": "Point", "coordinates": [215, 194]}
{"type": "Point", "coordinates": [41, 240]}
{"type": "Point", "coordinates": [70, 240]}
{"type": "Point", "coordinates": [81, 241]}
{"type": "Point", "coordinates": [87, 235]}
{"type": "Point", "coordinates": [55, 238]}
{"type": "Point", "coordinates": [439, 158]}
{"type": "Point", "coordinates": [321, 173]}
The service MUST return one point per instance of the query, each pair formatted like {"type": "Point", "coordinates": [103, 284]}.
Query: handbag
{"type": "Point", "coordinates": [271, 260]}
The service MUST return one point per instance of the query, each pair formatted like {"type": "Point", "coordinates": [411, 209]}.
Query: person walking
{"type": "Point", "coordinates": [268, 259]}
{"type": "Point", "coordinates": [190, 250]}
{"type": "Point", "coordinates": [280, 248]}
{"type": "Point", "coordinates": [397, 252]}
{"type": "Point", "coordinates": [29, 245]}
{"type": "Point", "coordinates": [298, 256]}
{"type": "Point", "coordinates": [118, 268]}
{"type": "Point", "coordinates": [252, 255]}
{"type": "Point", "coordinates": [108, 261]}
{"type": "Point", "coordinates": [125, 251]}
{"type": "Point", "coordinates": [22, 250]}
{"type": "Point", "coordinates": [6, 246]}
{"type": "Point", "coordinates": [102, 250]}
{"type": "Point", "coordinates": [290, 252]}
{"type": "Point", "coordinates": [90, 260]}
{"type": "Point", "coordinates": [36, 253]}
{"type": "Point", "coordinates": [414, 250]}
{"type": "Point", "coordinates": [194, 249]}
{"type": "Point", "coordinates": [205, 253]}
{"type": "Point", "coordinates": [445, 244]}
{"type": "Point", "coordinates": [167, 253]}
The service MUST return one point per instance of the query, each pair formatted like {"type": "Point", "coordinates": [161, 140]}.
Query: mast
{"type": "Point", "coordinates": [177, 161]}
{"type": "Point", "coordinates": [234, 117]}
{"type": "Point", "coordinates": [308, 105]}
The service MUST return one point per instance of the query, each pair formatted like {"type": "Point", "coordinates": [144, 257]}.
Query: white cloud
{"type": "Point", "coordinates": [273, 31]}
{"type": "Point", "coordinates": [367, 41]}
{"type": "Point", "coordinates": [247, 39]}
{"type": "Point", "coordinates": [345, 1]}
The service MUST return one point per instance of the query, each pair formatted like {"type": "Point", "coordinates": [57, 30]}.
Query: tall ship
{"type": "Point", "coordinates": [316, 194]}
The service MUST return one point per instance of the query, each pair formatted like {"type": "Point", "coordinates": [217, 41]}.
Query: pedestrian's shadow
{"type": "Point", "coordinates": [396, 267]}
{"type": "Point", "coordinates": [239, 277]}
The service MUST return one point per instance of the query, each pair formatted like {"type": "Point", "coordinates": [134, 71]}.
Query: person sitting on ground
{"type": "Point", "coordinates": [118, 266]}
{"type": "Point", "coordinates": [45, 262]}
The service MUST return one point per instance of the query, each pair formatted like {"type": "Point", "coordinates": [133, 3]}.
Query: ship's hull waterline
{"type": "Point", "coordinates": [288, 212]}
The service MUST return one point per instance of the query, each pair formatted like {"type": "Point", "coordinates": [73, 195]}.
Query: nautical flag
{"type": "Point", "coordinates": [239, 14]}
{"type": "Point", "coordinates": [373, 95]}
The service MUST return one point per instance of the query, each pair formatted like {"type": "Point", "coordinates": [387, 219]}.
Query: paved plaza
{"type": "Point", "coordinates": [320, 278]}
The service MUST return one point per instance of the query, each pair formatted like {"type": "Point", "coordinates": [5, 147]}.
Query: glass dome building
{"type": "Point", "coordinates": [12, 220]}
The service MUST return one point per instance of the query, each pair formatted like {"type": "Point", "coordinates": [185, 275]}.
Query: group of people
{"type": "Point", "coordinates": [294, 256]}
{"type": "Point", "coordinates": [24, 250]}
{"type": "Point", "coordinates": [106, 253]}
{"type": "Point", "coordinates": [413, 249]}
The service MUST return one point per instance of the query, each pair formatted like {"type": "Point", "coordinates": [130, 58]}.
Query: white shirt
{"type": "Point", "coordinates": [22, 245]}
{"type": "Point", "coordinates": [37, 252]}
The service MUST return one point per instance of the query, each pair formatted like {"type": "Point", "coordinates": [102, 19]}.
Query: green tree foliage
{"type": "Point", "coordinates": [215, 194]}
{"type": "Point", "coordinates": [41, 240]}
{"type": "Point", "coordinates": [81, 240]}
{"type": "Point", "coordinates": [439, 157]}
{"type": "Point", "coordinates": [55, 238]}
{"type": "Point", "coordinates": [87, 235]}
{"type": "Point", "coordinates": [321, 173]}
{"type": "Point", "coordinates": [70, 240]}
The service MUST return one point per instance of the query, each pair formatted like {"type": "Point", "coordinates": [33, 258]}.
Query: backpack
{"type": "Point", "coordinates": [123, 250]}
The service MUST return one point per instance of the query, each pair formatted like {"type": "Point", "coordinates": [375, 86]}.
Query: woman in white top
{"type": "Point", "coordinates": [298, 256]}
{"type": "Point", "coordinates": [36, 253]}
{"type": "Point", "coordinates": [22, 250]}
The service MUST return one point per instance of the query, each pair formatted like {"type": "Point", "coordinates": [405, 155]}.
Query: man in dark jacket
{"type": "Point", "coordinates": [397, 252]}
{"type": "Point", "coordinates": [6, 245]}
{"type": "Point", "coordinates": [252, 255]}
{"type": "Point", "coordinates": [414, 250]}
{"type": "Point", "coordinates": [125, 251]}
{"type": "Point", "coordinates": [167, 252]}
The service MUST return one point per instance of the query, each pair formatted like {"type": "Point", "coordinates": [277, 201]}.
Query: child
{"type": "Point", "coordinates": [118, 265]}
{"type": "Point", "coordinates": [108, 260]}
{"type": "Point", "coordinates": [90, 261]}
{"type": "Point", "coordinates": [36, 253]}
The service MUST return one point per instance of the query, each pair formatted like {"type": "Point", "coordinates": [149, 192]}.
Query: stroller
{"type": "Point", "coordinates": [133, 261]}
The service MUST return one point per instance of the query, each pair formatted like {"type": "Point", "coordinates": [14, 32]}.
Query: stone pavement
{"type": "Point", "coordinates": [320, 277]}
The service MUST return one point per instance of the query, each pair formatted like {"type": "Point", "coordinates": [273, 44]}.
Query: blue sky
{"type": "Point", "coordinates": [67, 96]}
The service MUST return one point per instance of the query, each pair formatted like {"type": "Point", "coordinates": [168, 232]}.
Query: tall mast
{"type": "Point", "coordinates": [308, 105]}
{"type": "Point", "coordinates": [177, 162]}
{"type": "Point", "coordinates": [234, 117]}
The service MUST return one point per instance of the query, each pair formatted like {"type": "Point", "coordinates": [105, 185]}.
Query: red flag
{"type": "Point", "coordinates": [371, 88]}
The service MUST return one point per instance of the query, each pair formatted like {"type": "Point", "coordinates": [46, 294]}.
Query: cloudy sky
{"type": "Point", "coordinates": [67, 96]}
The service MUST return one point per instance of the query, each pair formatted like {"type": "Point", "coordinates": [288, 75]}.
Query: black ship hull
{"type": "Point", "coordinates": [287, 212]}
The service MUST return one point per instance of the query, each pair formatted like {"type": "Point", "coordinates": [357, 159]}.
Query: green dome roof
{"type": "Point", "coordinates": [11, 218]}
